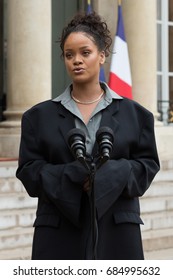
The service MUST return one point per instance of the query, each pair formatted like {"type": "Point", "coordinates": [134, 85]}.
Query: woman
{"type": "Point", "coordinates": [49, 170]}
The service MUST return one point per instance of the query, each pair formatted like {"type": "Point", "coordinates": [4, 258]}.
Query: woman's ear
{"type": "Point", "coordinates": [102, 57]}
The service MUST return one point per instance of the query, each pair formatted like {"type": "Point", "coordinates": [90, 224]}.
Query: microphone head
{"type": "Point", "coordinates": [75, 132]}
{"type": "Point", "coordinates": [103, 132]}
{"type": "Point", "coordinates": [76, 141]}
{"type": "Point", "coordinates": [105, 138]}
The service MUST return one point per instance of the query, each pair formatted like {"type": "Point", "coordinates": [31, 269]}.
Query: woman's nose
{"type": "Point", "coordinates": [77, 60]}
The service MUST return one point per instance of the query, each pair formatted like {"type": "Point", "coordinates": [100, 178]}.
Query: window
{"type": "Point", "coordinates": [3, 50]}
{"type": "Point", "coordinates": [62, 11]}
{"type": "Point", "coordinates": [165, 60]}
{"type": "Point", "coordinates": [171, 50]}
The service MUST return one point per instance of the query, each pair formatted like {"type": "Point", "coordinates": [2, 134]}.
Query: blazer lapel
{"type": "Point", "coordinates": [66, 122]}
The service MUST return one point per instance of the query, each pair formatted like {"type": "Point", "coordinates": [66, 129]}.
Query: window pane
{"type": "Point", "coordinates": [159, 87]}
{"type": "Point", "coordinates": [159, 97]}
{"type": "Point", "coordinates": [171, 49]}
{"type": "Point", "coordinates": [159, 9]}
{"type": "Point", "coordinates": [170, 111]}
{"type": "Point", "coordinates": [159, 46]}
{"type": "Point", "coordinates": [170, 10]}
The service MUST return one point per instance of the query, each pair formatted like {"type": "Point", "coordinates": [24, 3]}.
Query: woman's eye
{"type": "Point", "coordinates": [86, 53]}
{"type": "Point", "coordinates": [68, 55]}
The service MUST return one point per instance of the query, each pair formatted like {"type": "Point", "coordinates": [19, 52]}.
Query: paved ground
{"type": "Point", "coordinates": [166, 254]}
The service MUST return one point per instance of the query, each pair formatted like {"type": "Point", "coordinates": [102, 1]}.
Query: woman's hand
{"type": "Point", "coordinates": [86, 186]}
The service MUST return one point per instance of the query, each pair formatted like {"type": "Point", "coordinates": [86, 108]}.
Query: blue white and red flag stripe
{"type": "Point", "coordinates": [120, 74]}
{"type": "Point", "coordinates": [89, 10]}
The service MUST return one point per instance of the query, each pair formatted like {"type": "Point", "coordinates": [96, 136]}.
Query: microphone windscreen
{"type": "Point", "coordinates": [104, 130]}
{"type": "Point", "coordinates": [75, 132]}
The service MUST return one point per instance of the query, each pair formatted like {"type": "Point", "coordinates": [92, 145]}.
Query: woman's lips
{"type": "Point", "coordinates": [78, 70]}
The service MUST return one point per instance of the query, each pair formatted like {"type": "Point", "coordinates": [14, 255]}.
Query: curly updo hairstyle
{"type": "Point", "coordinates": [93, 26]}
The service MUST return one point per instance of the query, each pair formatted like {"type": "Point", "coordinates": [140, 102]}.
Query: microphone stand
{"type": "Point", "coordinates": [93, 167]}
{"type": "Point", "coordinates": [94, 226]}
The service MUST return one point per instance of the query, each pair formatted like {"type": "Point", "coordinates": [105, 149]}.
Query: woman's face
{"type": "Point", "coordinates": [82, 58]}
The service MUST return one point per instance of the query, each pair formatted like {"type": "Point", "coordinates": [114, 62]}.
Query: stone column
{"type": "Point", "coordinates": [141, 32]}
{"type": "Point", "coordinates": [28, 65]}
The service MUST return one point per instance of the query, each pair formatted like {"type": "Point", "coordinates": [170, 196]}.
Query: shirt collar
{"type": "Point", "coordinates": [65, 97]}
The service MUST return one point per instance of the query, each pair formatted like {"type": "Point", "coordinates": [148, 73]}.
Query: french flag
{"type": "Point", "coordinates": [120, 74]}
{"type": "Point", "coordinates": [89, 9]}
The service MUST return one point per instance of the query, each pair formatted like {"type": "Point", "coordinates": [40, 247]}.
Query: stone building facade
{"type": "Point", "coordinates": [33, 75]}
{"type": "Point", "coordinates": [31, 54]}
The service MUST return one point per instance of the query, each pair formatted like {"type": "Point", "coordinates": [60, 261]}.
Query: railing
{"type": "Point", "coordinates": [165, 108]}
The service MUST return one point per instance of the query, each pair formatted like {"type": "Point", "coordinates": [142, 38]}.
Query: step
{"type": "Point", "coordinates": [157, 239]}
{"type": "Point", "coordinates": [157, 220]}
{"type": "Point", "coordinates": [165, 254]}
{"type": "Point", "coordinates": [160, 188]}
{"type": "Point", "coordinates": [16, 218]}
{"type": "Point", "coordinates": [156, 204]}
{"type": "Point", "coordinates": [16, 254]}
{"type": "Point", "coordinates": [8, 169]}
{"type": "Point", "coordinates": [16, 201]}
{"type": "Point", "coordinates": [164, 175]}
{"type": "Point", "coordinates": [166, 164]}
{"type": "Point", "coordinates": [16, 238]}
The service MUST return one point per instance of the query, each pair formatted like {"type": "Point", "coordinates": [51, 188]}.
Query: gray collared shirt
{"type": "Point", "coordinates": [92, 126]}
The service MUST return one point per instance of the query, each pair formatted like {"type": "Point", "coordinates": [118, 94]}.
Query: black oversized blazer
{"type": "Point", "coordinates": [49, 171]}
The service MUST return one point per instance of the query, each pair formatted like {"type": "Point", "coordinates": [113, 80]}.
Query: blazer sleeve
{"type": "Point", "coordinates": [129, 177]}
{"type": "Point", "coordinates": [61, 183]}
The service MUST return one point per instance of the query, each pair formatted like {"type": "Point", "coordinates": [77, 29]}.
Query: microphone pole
{"type": "Point", "coordinates": [105, 139]}
{"type": "Point", "coordinates": [94, 225]}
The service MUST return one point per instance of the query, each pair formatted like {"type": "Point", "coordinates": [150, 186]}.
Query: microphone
{"type": "Point", "coordinates": [105, 139]}
{"type": "Point", "coordinates": [76, 141]}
